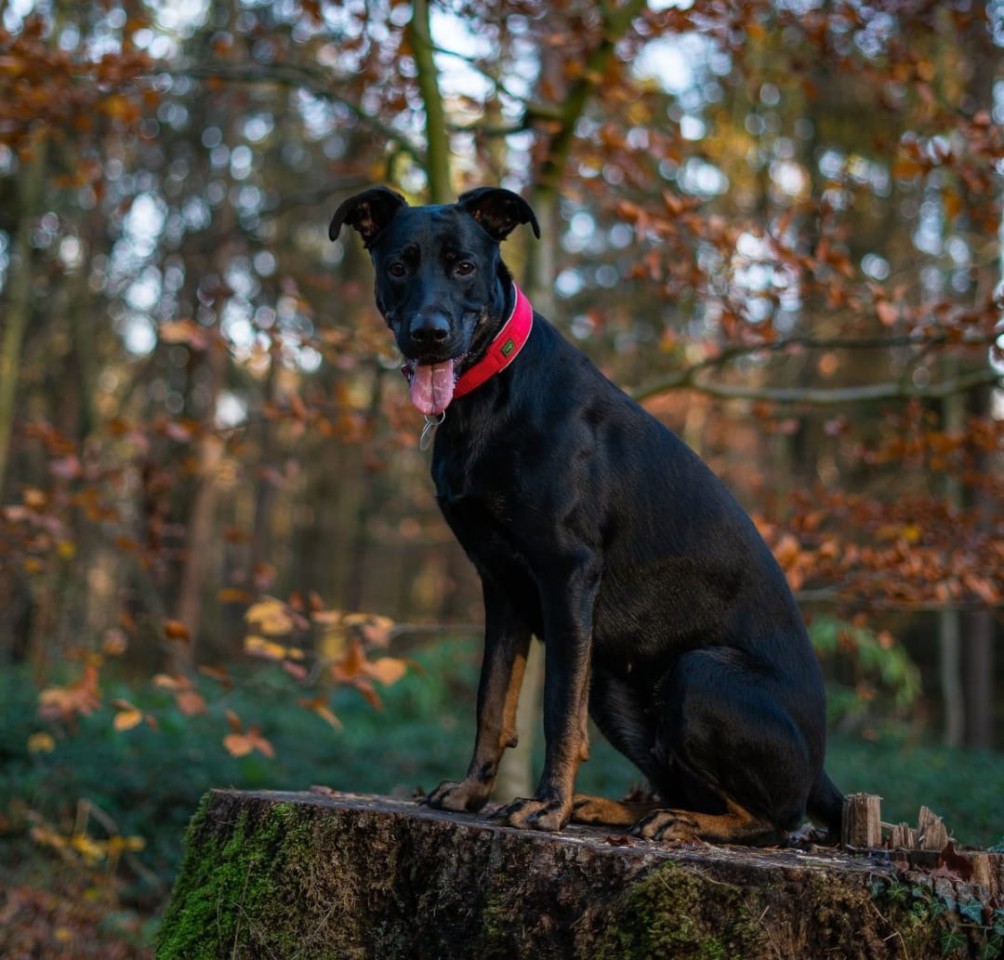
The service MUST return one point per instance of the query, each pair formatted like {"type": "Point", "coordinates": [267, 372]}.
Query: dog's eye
{"type": "Point", "coordinates": [397, 270]}
{"type": "Point", "coordinates": [463, 268]}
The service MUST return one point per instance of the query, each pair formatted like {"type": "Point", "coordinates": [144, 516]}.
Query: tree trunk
{"type": "Point", "coordinates": [343, 876]}
{"type": "Point", "coordinates": [19, 303]}
{"type": "Point", "coordinates": [437, 142]}
{"type": "Point", "coordinates": [979, 664]}
{"type": "Point", "coordinates": [200, 525]}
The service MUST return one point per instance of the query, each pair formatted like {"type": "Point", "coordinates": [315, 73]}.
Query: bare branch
{"type": "Point", "coordinates": [691, 377]}
{"type": "Point", "coordinates": [828, 397]}
{"type": "Point", "coordinates": [616, 23]}
{"type": "Point", "coordinates": [299, 77]}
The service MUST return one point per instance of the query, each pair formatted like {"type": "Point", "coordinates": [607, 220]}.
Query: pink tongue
{"type": "Point", "coordinates": [432, 387]}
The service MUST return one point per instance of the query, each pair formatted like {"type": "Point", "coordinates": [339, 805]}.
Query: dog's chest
{"type": "Point", "coordinates": [466, 502]}
{"type": "Point", "coordinates": [479, 500]}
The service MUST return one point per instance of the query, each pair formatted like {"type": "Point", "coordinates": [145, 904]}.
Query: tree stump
{"type": "Point", "coordinates": [297, 876]}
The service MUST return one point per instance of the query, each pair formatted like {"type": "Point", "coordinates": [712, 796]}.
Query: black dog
{"type": "Point", "coordinates": [596, 529]}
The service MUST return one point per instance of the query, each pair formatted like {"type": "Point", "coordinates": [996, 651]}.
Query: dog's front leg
{"type": "Point", "coordinates": [567, 651]}
{"type": "Point", "coordinates": [507, 642]}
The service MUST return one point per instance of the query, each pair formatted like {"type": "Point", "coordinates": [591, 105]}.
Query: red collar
{"type": "Point", "coordinates": [503, 349]}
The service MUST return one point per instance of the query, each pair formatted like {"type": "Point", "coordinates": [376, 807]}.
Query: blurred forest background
{"type": "Point", "coordinates": [777, 223]}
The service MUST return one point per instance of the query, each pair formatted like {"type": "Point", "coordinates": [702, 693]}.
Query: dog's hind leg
{"type": "Point", "coordinates": [610, 813]}
{"type": "Point", "coordinates": [618, 712]}
{"type": "Point", "coordinates": [736, 751]}
{"type": "Point", "coordinates": [736, 825]}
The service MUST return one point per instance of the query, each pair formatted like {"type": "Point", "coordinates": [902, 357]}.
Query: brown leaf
{"type": "Point", "coordinates": [957, 866]}
{"type": "Point", "coordinates": [126, 718]}
{"type": "Point", "coordinates": [352, 666]}
{"type": "Point", "coordinates": [163, 681]}
{"type": "Point", "coordinates": [319, 705]}
{"type": "Point", "coordinates": [237, 744]}
{"type": "Point", "coordinates": [887, 312]}
{"type": "Point", "coordinates": [219, 674]}
{"type": "Point", "coordinates": [256, 646]}
{"type": "Point", "coordinates": [176, 630]}
{"type": "Point", "coordinates": [787, 550]}
{"type": "Point", "coordinates": [270, 616]}
{"type": "Point", "coordinates": [115, 642]}
{"type": "Point", "coordinates": [388, 670]}
{"type": "Point", "coordinates": [297, 671]}
{"type": "Point", "coordinates": [191, 703]}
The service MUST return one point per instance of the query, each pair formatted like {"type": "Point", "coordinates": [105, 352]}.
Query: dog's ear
{"type": "Point", "coordinates": [368, 212]}
{"type": "Point", "coordinates": [498, 211]}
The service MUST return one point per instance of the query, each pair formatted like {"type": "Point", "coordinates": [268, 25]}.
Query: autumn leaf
{"type": "Point", "coordinates": [352, 666]}
{"type": "Point", "coordinates": [119, 844]}
{"type": "Point", "coordinates": [115, 642]}
{"type": "Point", "coordinates": [787, 551]}
{"type": "Point", "coordinates": [46, 836]}
{"type": "Point", "coordinates": [260, 744]}
{"type": "Point", "coordinates": [952, 865]}
{"type": "Point", "coordinates": [82, 697]}
{"type": "Point", "coordinates": [887, 312]}
{"type": "Point", "coordinates": [183, 331]}
{"type": "Point", "coordinates": [176, 630]}
{"type": "Point", "coordinates": [90, 849]}
{"type": "Point", "coordinates": [983, 587]}
{"type": "Point", "coordinates": [242, 744]}
{"type": "Point", "coordinates": [218, 674]}
{"type": "Point", "coordinates": [388, 670]}
{"type": "Point", "coordinates": [35, 499]}
{"type": "Point", "coordinates": [163, 681]}
{"type": "Point", "coordinates": [296, 670]}
{"type": "Point", "coordinates": [237, 745]}
{"type": "Point", "coordinates": [356, 670]}
{"type": "Point", "coordinates": [319, 705]}
{"type": "Point", "coordinates": [179, 432]}
{"type": "Point", "coordinates": [366, 688]}
{"type": "Point", "coordinates": [270, 616]}
{"type": "Point", "coordinates": [190, 703]}
{"type": "Point", "coordinates": [126, 719]}
{"type": "Point", "coordinates": [256, 646]}
{"type": "Point", "coordinates": [375, 629]}
{"type": "Point", "coordinates": [41, 743]}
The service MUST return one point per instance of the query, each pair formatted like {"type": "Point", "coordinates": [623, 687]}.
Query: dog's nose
{"type": "Point", "coordinates": [430, 329]}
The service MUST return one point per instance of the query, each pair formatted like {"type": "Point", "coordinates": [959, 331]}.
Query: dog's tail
{"type": "Point", "coordinates": [826, 805]}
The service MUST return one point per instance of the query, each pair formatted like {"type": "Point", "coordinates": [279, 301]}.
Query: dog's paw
{"type": "Point", "coordinates": [535, 814]}
{"type": "Point", "coordinates": [600, 810]}
{"type": "Point", "coordinates": [458, 795]}
{"type": "Point", "coordinates": [666, 825]}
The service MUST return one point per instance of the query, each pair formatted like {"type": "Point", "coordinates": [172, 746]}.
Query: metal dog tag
{"type": "Point", "coordinates": [429, 431]}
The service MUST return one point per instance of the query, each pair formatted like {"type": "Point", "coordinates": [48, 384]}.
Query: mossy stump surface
{"type": "Point", "coordinates": [312, 876]}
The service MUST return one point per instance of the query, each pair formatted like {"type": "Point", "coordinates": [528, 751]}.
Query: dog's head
{"type": "Point", "coordinates": [441, 284]}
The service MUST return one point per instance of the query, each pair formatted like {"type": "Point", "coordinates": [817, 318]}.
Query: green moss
{"type": "Point", "coordinates": [497, 922]}
{"type": "Point", "coordinates": [684, 913]}
{"type": "Point", "coordinates": [681, 913]}
{"type": "Point", "coordinates": [225, 895]}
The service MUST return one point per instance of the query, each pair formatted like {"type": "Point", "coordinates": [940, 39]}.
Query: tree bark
{"type": "Point", "coordinates": [343, 876]}
{"type": "Point", "coordinates": [19, 303]}
{"type": "Point", "coordinates": [437, 143]}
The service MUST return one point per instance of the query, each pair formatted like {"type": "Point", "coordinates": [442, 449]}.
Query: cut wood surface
{"type": "Point", "coordinates": [326, 875]}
